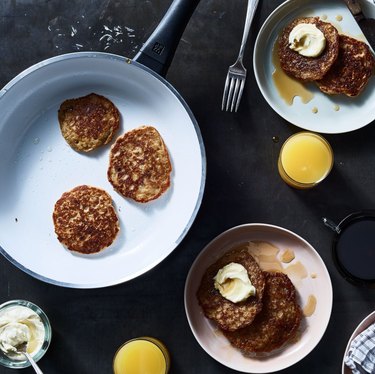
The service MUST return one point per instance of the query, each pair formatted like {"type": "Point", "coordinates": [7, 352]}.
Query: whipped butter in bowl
{"type": "Point", "coordinates": [22, 323]}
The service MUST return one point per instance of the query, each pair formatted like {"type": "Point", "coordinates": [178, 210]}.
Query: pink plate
{"type": "Point", "coordinates": [316, 282]}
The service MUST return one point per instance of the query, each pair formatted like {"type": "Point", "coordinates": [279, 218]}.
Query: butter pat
{"type": "Point", "coordinates": [233, 283]}
{"type": "Point", "coordinates": [307, 40]}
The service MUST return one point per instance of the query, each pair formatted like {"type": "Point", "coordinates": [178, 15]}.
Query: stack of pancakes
{"type": "Point", "coordinates": [261, 323]}
{"type": "Point", "coordinates": [344, 67]}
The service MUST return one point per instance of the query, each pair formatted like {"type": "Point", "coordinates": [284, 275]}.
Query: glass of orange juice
{"type": "Point", "coordinates": [305, 160]}
{"type": "Point", "coordinates": [144, 355]}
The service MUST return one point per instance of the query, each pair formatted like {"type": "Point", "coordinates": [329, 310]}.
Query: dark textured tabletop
{"type": "Point", "coordinates": [242, 185]}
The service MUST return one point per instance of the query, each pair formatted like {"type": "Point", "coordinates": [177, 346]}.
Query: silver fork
{"type": "Point", "coordinates": [236, 76]}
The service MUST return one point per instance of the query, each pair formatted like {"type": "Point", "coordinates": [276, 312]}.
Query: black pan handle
{"type": "Point", "coordinates": [158, 51]}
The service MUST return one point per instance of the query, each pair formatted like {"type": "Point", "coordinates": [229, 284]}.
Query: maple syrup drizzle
{"type": "Point", "coordinates": [288, 87]}
{"type": "Point", "coordinates": [310, 306]}
{"type": "Point", "coordinates": [269, 259]}
{"type": "Point", "coordinates": [287, 256]}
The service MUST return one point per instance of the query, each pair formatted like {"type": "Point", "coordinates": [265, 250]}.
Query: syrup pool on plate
{"type": "Point", "coordinates": [305, 160]}
{"type": "Point", "coordinates": [287, 86]}
{"type": "Point", "coordinates": [140, 356]}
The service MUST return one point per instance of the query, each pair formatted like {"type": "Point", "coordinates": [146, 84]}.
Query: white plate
{"type": "Point", "coordinates": [354, 113]}
{"type": "Point", "coordinates": [37, 166]}
{"type": "Point", "coordinates": [366, 322]}
{"type": "Point", "coordinates": [206, 332]}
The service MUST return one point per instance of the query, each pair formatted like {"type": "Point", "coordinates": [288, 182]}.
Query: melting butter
{"type": "Point", "coordinates": [233, 283]}
{"type": "Point", "coordinates": [307, 40]}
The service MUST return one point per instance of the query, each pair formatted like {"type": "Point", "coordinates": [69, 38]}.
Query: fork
{"type": "Point", "coordinates": [236, 76]}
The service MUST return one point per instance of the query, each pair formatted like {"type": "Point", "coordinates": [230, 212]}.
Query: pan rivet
{"type": "Point", "coordinates": [128, 61]}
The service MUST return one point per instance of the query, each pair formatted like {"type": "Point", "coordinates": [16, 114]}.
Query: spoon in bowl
{"type": "Point", "coordinates": [21, 349]}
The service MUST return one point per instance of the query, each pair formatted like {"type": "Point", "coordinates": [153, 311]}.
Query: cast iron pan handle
{"type": "Point", "coordinates": [158, 51]}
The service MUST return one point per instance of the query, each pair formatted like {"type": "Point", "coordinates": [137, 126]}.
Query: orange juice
{"type": "Point", "coordinates": [305, 160]}
{"type": "Point", "coordinates": [141, 356]}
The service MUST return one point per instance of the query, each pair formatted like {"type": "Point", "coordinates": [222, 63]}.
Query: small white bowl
{"type": "Point", "coordinates": [19, 364]}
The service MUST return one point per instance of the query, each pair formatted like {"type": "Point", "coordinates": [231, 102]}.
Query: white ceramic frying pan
{"type": "Point", "coordinates": [37, 165]}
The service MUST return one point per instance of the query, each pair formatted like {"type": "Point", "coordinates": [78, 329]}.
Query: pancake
{"type": "Point", "coordinates": [88, 122]}
{"type": "Point", "coordinates": [139, 165]}
{"type": "Point", "coordinates": [308, 68]}
{"type": "Point", "coordinates": [277, 323]}
{"type": "Point", "coordinates": [85, 220]}
{"type": "Point", "coordinates": [228, 315]}
{"type": "Point", "coordinates": [352, 69]}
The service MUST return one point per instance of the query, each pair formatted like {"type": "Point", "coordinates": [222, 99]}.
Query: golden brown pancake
{"type": "Point", "coordinates": [139, 165]}
{"type": "Point", "coordinates": [85, 219]}
{"type": "Point", "coordinates": [352, 69]}
{"type": "Point", "coordinates": [308, 68]}
{"type": "Point", "coordinates": [88, 122]}
{"type": "Point", "coordinates": [228, 315]}
{"type": "Point", "coordinates": [278, 321]}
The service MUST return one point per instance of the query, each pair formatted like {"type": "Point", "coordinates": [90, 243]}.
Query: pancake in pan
{"type": "Point", "coordinates": [308, 68]}
{"type": "Point", "coordinates": [139, 165]}
{"type": "Point", "coordinates": [277, 323]}
{"type": "Point", "coordinates": [228, 315]}
{"type": "Point", "coordinates": [351, 71]}
{"type": "Point", "coordinates": [85, 220]}
{"type": "Point", "coordinates": [88, 122]}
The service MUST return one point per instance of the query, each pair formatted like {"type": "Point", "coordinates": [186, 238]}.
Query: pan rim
{"type": "Point", "coordinates": [175, 243]}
